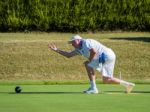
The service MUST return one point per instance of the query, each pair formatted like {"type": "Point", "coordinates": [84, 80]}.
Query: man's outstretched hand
{"type": "Point", "coordinates": [52, 47]}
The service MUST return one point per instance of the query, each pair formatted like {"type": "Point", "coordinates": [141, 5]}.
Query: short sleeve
{"type": "Point", "coordinates": [89, 44]}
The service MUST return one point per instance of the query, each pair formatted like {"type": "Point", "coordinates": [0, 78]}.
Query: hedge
{"type": "Point", "coordinates": [74, 15]}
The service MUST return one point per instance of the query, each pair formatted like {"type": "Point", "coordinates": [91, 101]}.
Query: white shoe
{"type": "Point", "coordinates": [130, 87]}
{"type": "Point", "coordinates": [91, 91]}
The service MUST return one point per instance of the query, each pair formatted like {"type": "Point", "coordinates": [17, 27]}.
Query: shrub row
{"type": "Point", "coordinates": [74, 15]}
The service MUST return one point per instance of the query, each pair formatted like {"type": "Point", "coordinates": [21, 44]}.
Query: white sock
{"type": "Point", "coordinates": [93, 84]}
{"type": "Point", "coordinates": [124, 83]}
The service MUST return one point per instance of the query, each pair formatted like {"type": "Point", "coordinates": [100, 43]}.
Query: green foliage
{"type": "Point", "coordinates": [74, 15]}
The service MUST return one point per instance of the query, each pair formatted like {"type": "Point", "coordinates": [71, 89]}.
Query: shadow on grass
{"type": "Point", "coordinates": [109, 92]}
{"type": "Point", "coordinates": [46, 93]}
{"type": "Point", "coordinates": [124, 92]}
{"type": "Point", "coordinates": [143, 39]}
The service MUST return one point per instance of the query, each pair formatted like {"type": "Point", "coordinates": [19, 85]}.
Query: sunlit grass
{"type": "Point", "coordinates": [69, 98]}
{"type": "Point", "coordinates": [25, 56]}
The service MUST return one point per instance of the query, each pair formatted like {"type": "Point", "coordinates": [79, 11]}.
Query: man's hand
{"type": "Point", "coordinates": [52, 47]}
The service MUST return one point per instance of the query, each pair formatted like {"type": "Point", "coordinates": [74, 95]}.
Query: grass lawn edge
{"type": "Point", "coordinates": [57, 82]}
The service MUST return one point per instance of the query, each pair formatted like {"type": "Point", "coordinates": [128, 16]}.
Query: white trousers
{"type": "Point", "coordinates": [106, 68]}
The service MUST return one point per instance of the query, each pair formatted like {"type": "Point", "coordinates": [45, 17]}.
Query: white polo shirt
{"type": "Point", "coordinates": [87, 44]}
{"type": "Point", "coordinates": [107, 67]}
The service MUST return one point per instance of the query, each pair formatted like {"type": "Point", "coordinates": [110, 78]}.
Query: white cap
{"type": "Point", "coordinates": [75, 37]}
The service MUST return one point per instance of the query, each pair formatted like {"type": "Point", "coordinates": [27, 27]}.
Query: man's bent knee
{"type": "Point", "coordinates": [106, 80]}
{"type": "Point", "coordinates": [86, 65]}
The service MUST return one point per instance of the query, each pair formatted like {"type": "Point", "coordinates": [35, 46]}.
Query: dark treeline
{"type": "Point", "coordinates": [74, 15]}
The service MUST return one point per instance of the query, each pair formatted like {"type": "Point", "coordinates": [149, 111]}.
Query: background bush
{"type": "Point", "coordinates": [74, 15]}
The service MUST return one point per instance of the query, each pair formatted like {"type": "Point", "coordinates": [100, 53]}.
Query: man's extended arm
{"type": "Point", "coordinates": [63, 53]}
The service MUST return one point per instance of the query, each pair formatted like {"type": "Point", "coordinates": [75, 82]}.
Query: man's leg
{"type": "Point", "coordinates": [91, 75]}
{"type": "Point", "coordinates": [107, 72]}
{"type": "Point", "coordinates": [110, 80]}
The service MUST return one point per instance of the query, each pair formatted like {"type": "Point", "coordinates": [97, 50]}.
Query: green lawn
{"type": "Point", "coordinates": [26, 60]}
{"type": "Point", "coordinates": [69, 98]}
{"type": "Point", "coordinates": [25, 56]}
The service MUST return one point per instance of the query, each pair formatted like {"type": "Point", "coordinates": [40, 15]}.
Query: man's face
{"type": "Point", "coordinates": [76, 43]}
